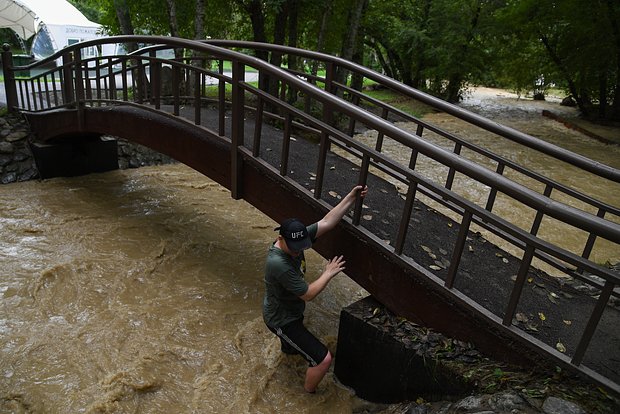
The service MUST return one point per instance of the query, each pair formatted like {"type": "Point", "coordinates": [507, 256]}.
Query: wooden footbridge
{"type": "Point", "coordinates": [284, 140]}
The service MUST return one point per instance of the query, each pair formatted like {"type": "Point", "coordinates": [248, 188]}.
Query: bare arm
{"type": "Point", "coordinates": [332, 268]}
{"type": "Point", "coordinates": [336, 214]}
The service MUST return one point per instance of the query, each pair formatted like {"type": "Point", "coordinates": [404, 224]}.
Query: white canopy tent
{"type": "Point", "coordinates": [17, 16]}
{"type": "Point", "coordinates": [55, 24]}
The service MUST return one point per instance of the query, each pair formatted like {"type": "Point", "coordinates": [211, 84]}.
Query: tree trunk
{"type": "Point", "coordinates": [417, 78]}
{"type": "Point", "coordinates": [572, 87]}
{"type": "Point", "coordinates": [174, 26]}
{"type": "Point", "coordinates": [321, 40]}
{"type": "Point", "coordinates": [602, 95]}
{"type": "Point", "coordinates": [199, 23]}
{"type": "Point", "coordinates": [357, 81]}
{"type": "Point", "coordinates": [199, 34]}
{"type": "Point", "coordinates": [350, 42]}
{"type": "Point", "coordinates": [293, 17]}
{"type": "Point", "coordinates": [455, 81]}
{"type": "Point", "coordinates": [279, 35]}
{"type": "Point", "coordinates": [124, 21]}
{"type": "Point", "coordinates": [387, 68]}
{"type": "Point", "coordinates": [254, 8]}
{"type": "Point", "coordinates": [616, 33]}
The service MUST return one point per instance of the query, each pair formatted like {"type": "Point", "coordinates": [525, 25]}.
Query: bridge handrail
{"type": "Point", "coordinates": [550, 184]}
{"type": "Point", "coordinates": [584, 220]}
{"type": "Point", "coordinates": [585, 163]}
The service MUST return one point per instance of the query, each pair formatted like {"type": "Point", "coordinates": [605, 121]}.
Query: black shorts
{"type": "Point", "coordinates": [296, 339]}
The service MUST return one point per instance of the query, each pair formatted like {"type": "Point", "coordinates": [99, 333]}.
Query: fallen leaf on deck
{"type": "Point", "coordinates": [435, 267]}
{"type": "Point", "coordinates": [560, 347]}
{"type": "Point", "coordinates": [367, 217]}
{"type": "Point", "coordinates": [542, 316]}
{"type": "Point", "coordinates": [333, 194]}
{"type": "Point", "coordinates": [567, 323]}
{"type": "Point", "coordinates": [521, 317]}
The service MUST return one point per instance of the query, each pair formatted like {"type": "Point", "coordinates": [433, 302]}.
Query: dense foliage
{"type": "Point", "coordinates": [440, 46]}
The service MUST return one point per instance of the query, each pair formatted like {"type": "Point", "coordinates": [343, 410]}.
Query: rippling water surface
{"type": "Point", "coordinates": [140, 291]}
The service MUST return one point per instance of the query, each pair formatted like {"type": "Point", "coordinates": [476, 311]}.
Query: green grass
{"type": "Point", "coordinates": [403, 103]}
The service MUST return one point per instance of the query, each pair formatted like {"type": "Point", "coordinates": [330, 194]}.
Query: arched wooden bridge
{"type": "Point", "coordinates": [283, 139]}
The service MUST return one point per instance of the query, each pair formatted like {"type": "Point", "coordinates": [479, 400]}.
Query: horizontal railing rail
{"type": "Point", "coordinates": [166, 85]}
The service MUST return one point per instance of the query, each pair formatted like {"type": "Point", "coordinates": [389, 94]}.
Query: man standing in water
{"type": "Point", "coordinates": [286, 291]}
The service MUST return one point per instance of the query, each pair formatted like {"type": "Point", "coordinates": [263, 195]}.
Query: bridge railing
{"type": "Point", "coordinates": [498, 163]}
{"type": "Point", "coordinates": [171, 85]}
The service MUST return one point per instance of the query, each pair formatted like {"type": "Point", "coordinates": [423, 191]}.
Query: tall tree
{"type": "Point", "coordinates": [199, 22]}
{"type": "Point", "coordinates": [581, 43]}
{"type": "Point", "coordinates": [124, 21]}
{"type": "Point", "coordinates": [351, 42]}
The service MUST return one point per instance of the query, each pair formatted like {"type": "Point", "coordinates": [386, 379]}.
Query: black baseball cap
{"type": "Point", "coordinates": [295, 234]}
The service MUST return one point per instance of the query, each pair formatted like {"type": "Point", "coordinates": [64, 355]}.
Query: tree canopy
{"type": "Point", "coordinates": [440, 46]}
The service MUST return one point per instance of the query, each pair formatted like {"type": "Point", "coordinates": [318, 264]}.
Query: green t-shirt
{"type": "Point", "coordinates": [284, 284]}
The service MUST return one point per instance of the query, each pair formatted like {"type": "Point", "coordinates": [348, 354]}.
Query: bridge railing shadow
{"type": "Point", "coordinates": [170, 75]}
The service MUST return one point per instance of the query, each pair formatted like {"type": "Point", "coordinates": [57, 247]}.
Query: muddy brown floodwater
{"type": "Point", "coordinates": [140, 291]}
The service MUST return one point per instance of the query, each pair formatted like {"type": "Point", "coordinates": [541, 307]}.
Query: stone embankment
{"type": "Point", "coordinates": [17, 163]}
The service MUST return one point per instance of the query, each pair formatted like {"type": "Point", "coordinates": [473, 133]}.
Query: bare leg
{"type": "Point", "coordinates": [314, 375]}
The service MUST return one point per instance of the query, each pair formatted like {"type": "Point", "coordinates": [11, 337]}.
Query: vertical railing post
{"type": "Point", "coordinates": [457, 254]}
{"type": "Point", "coordinates": [540, 214]}
{"type": "Point", "coordinates": [221, 96]}
{"type": "Point", "coordinates": [286, 144]}
{"type": "Point", "coordinates": [155, 69]}
{"type": "Point", "coordinates": [79, 88]}
{"type": "Point", "coordinates": [328, 116]}
{"type": "Point", "coordinates": [357, 208]}
{"type": "Point", "coordinates": [237, 126]}
{"type": "Point", "coordinates": [452, 172]}
{"type": "Point", "coordinates": [9, 78]}
{"type": "Point", "coordinates": [493, 192]}
{"type": "Point", "coordinates": [67, 79]}
{"type": "Point", "coordinates": [518, 286]}
{"type": "Point", "coordinates": [406, 217]}
{"type": "Point", "coordinates": [595, 318]}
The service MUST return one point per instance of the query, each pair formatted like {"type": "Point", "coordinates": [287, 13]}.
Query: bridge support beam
{"type": "Point", "coordinates": [380, 367]}
{"type": "Point", "coordinates": [76, 156]}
